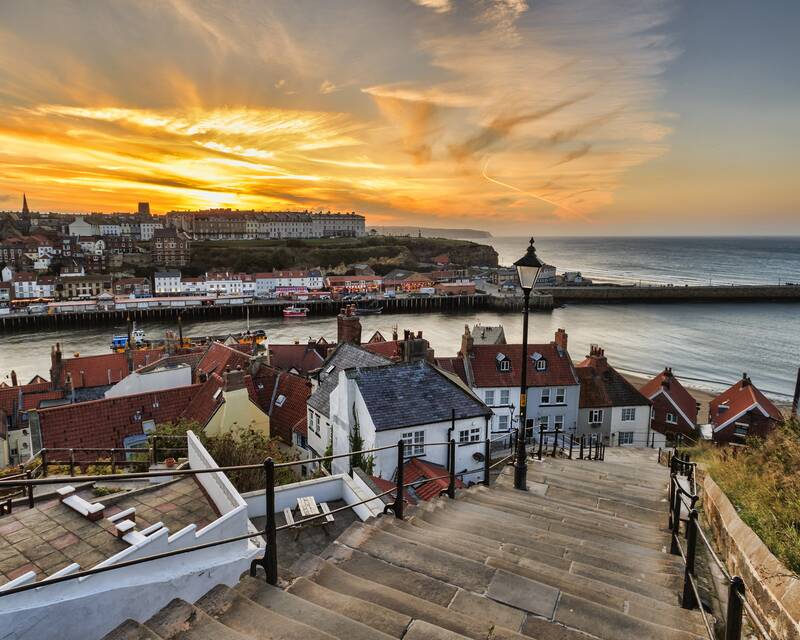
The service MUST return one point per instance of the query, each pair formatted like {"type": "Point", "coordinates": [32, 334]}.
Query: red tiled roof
{"type": "Point", "coordinates": [105, 423]}
{"type": "Point", "coordinates": [218, 357]}
{"type": "Point", "coordinates": [454, 365]}
{"type": "Point", "coordinates": [10, 395]}
{"type": "Point", "coordinates": [671, 387]}
{"type": "Point", "coordinates": [388, 485]}
{"type": "Point", "coordinates": [32, 400]}
{"type": "Point", "coordinates": [388, 348]}
{"type": "Point", "coordinates": [486, 372]}
{"type": "Point", "coordinates": [204, 403]}
{"type": "Point", "coordinates": [105, 369]}
{"type": "Point", "coordinates": [416, 469]}
{"type": "Point", "coordinates": [300, 357]}
{"type": "Point", "coordinates": [740, 398]}
{"type": "Point", "coordinates": [291, 415]}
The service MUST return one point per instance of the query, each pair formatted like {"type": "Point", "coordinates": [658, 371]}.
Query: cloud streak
{"type": "Point", "coordinates": [393, 106]}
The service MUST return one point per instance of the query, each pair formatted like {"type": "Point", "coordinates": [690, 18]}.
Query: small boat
{"type": "Point", "coordinates": [120, 342]}
{"type": "Point", "coordinates": [295, 312]}
{"type": "Point", "coordinates": [370, 309]}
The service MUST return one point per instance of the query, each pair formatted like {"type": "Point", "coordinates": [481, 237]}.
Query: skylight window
{"type": "Point", "coordinates": [280, 400]}
{"type": "Point", "coordinates": [500, 357]}
{"type": "Point", "coordinates": [216, 393]}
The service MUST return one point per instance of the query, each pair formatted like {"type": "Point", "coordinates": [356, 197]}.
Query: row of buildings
{"type": "Point", "coordinates": [315, 396]}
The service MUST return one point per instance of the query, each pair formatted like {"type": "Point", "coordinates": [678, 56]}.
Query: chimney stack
{"type": "Point", "coordinates": [561, 339]}
{"type": "Point", "coordinates": [598, 357]}
{"type": "Point", "coordinates": [56, 365]}
{"type": "Point", "coordinates": [69, 391]}
{"type": "Point", "coordinates": [746, 380]}
{"type": "Point", "coordinates": [14, 382]}
{"type": "Point", "coordinates": [348, 326]}
{"type": "Point", "coordinates": [234, 380]}
{"type": "Point", "coordinates": [467, 342]}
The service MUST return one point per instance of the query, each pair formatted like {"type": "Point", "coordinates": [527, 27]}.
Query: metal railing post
{"type": "Point", "coordinates": [451, 487]}
{"type": "Point", "coordinates": [603, 452]}
{"type": "Point", "coordinates": [155, 449]}
{"type": "Point", "coordinates": [689, 601]}
{"type": "Point", "coordinates": [28, 475]}
{"type": "Point", "coordinates": [541, 438]}
{"type": "Point", "coordinates": [487, 462]}
{"type": "Point", "coordinates": [555, 443]}
{"type": "Point", "coordinates": [571, 441]}
{"type": "Point", "coordinates": [733, 617]}
{"type": "Point", "coordinates": [580, 454]}
{"type": "Point", "coordinates": [72, 462]}
{"type": "Point", "coordinates": [271, 552]}
{"type": "Point", "coordinates": [44, 463]}
{"type": "Point", "coordinates": [676, 522]}
{"type": "Point", "coordinates": [398, 500]}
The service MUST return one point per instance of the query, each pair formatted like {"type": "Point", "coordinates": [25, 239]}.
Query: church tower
{"type": "Point", "coordinates": [25, 210]}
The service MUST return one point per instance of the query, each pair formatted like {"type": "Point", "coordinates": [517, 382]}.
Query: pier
{"type": "Point", "coordinates": [714, 293]}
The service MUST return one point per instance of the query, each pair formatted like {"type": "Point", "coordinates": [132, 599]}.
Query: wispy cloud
{"type": "Point", "coordinates": [501, 109]}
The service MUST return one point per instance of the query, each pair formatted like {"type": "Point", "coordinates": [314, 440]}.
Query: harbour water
{"type": "Point", "coordinates": [711, 344]}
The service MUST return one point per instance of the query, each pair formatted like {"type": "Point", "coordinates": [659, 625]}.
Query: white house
{"type": "Point", "coordinates": [153, 378]}
{"type": "Point", "coordinates": [493, 372]}
{"type": "Point", "coordinates": [148, 227]}
{"type": "Point", "coordinates": [80, 227]}
{"type": "Point", "coordinates": [195, 286]}
{"type": "Point", "coordinates": [167, 282]}
{"type": "Point", "coordinates": [416, 402]}
{"type": "Point", "coordinates": [611, 407]}
{"type": "Point", "coordinates": [226, 284]}
{"type": "Point", "coordinates": [346, 356]}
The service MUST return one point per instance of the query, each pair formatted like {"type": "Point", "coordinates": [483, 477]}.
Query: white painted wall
{"type": "Point", "coordinates": [178, 376]}
{"type": "Point", "coordinates": [568, 409]}
{"type": "Point", "coordinates": [639, 426]}
{"type": "Point", "coordinates": [216, 485]}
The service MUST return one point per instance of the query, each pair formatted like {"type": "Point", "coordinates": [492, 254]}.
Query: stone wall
{"type": "Point", "coordinates": [773, 591]}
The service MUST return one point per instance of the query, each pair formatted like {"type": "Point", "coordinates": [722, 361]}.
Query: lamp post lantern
{"type": "Point", "coordinates": [528, 268]}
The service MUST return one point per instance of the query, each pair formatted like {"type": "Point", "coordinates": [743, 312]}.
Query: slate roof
{"type": "Point", "coordinates": [666, 383]}
{"type": "Point", "coordinates": [345, 356]}
{"type": "Point", "coordinates": [486, 373]}
{"type": "Point", "coordinates": [607, 388]}
{"type": "Point", "coordinates": [740, 398]}
{"type": "Point", "coordinates": [414, 393]}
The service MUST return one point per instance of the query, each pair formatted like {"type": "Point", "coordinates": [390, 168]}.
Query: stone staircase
{"type": "Point", "coordinates": [581, 555]}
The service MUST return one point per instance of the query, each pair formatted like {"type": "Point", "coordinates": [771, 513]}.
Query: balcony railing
{"type": "Point", "coordinates": [269, 562]}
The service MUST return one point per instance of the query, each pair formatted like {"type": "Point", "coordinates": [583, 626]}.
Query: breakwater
{"type": "Point", "coordinates": [716, 293]}
{"type": "Point", "coordinates": [258, 308]}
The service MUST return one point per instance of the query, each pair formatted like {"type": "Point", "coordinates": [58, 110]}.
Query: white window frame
{"type": "Point", "coordinates": [558, 422]}
{"type": "Point", "coordinates": [505, 365]}
{"type": "Point", "coordinates": [489, 396]}
{"type": "Point", "coordinates": [502, 423]}
{"type": "Point", "coordinates": [624, 437]}
{"type": "Point", "coordinates": [628, 414]}
{"type": "Point", "coordinates": [504, 395]}
{"type": "Point", "coordinates": [541, 364]}
{"type": "Point", "coordinates": [544, 421]}
{"type": "Point", "coordinates": [414, 443]}
{"type": "Point", "coordinates": [469, 435]}
{"type": "Point", "coordinates": [595, 416]}
{"type": "Point", "coordinates": [561, 395]}
{"type": "Point", "coordinates": [545, 396]}
{"type": "Point", "coordinates": [672, 418]}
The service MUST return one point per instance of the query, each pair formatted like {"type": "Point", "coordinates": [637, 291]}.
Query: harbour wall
{"type": "Point", "coordinates": [744, 293]}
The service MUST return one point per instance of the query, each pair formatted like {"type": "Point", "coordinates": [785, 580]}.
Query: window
{"type": "Point", "coordinates": [545, 396]}
{"type": "Point", "coordinates": [469, 435]}
{"type": "Point", "coordinates": [561, 394]}
{"type": "Point", "coordinates": [629, 414]}
{"type": "Point", "coordinates": [544, 421]}
{"type": "Point", "coordinates": [595, 416]}
{"type": "Point", "coordinates": [414, 443]}
{"type": "Point", "coordinates": [558, 423]}
{"type": "Point", "coordinates": [672, 418]}
{"type": "Point", "coordinates": [541, 364]}
{"type": "Point", "coordinates": [505, 365]}
{"type": "Point", "coordinates": [280, 400]}
{"type": "Point", "coordinates": [502, 423]}
{"type": "Point", "coordinates": [625, 437]}
{"type": "Point", "coordinates": [490, 397]}
{"type": "Point", "coordinates": [741, 429]}
{"type": "Point", "coordinates": [503, 396]}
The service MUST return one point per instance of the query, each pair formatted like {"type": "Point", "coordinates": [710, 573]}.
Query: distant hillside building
{"type": "Point", "coordinates": [170, 248]}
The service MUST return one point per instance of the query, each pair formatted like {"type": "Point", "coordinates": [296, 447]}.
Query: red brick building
{"type": "Point", "coordinates": [742, 411]}
{"type": "Point", "coordinates": [674, 409]}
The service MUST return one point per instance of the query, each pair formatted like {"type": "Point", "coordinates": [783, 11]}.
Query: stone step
{"type": "Point", "coordinates": [296, 608]}
{"type": "Point", "coordinates": [341, 582]}
{"type": "Point", "coordinates": [180, 620]}
{"type": "Point", "coordinates": [480, 549]}
{"type": "Point", "coordinates": [421, 630]}
{"type": "Point", "coordinates": [131, 630]}
{"type": "Point", "coordinates": [243, 615]}
{"type": "Point", "coordinates": [480, 506]}
{"type": "Point", "coordinates": [612, 597]}
{"type": "Point", "coordinates": [625, 492]}
{"type": "Point", "coordinates": [660, 568]}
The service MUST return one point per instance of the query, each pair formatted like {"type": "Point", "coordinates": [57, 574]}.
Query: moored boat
{"type": "Point", "coordinates": [295, 312]}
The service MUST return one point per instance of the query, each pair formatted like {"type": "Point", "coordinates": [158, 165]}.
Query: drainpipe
{"type": "Point", "coordinates": [450, 433]}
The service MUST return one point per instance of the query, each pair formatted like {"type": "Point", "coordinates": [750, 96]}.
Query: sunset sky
{"type": "Point", "coordinates": [559, 116]}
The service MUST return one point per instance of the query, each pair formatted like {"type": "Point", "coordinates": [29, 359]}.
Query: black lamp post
{"type": "Point", "coordinates": [528, 268]}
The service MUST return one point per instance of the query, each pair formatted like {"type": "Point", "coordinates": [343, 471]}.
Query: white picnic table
{"type": "Point", "coordinates": [307, 506]}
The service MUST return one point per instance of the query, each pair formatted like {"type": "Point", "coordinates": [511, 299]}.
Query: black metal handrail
{"type": "Point", "coordinates": [269, 559]}
{"type": "Point", "coordinates": [737, 605]}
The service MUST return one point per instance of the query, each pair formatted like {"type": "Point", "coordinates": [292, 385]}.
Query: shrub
{"type": "Point", "coordinates": [763, 483]}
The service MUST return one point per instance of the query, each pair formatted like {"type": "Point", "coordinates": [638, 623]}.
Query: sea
{"type": "Point", "coordinates": [709, 345]}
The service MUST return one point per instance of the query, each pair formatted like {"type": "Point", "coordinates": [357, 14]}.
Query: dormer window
{"type": "Point", "coordinates": [541, 365]}
{"type": "Point", "coordinates": [503, 362]}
